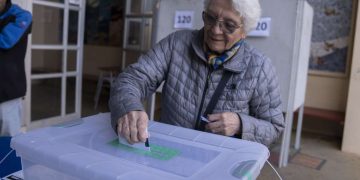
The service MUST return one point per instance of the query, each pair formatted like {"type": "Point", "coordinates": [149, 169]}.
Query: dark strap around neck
{"type": "Point", "coordinates": [214, 99]}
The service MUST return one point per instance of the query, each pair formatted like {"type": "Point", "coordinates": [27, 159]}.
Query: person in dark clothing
{"type": "Point", "coordinates": [15, 25]}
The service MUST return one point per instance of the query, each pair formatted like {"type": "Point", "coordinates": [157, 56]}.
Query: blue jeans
{"type": "Point", "coordinates": [10, 117]}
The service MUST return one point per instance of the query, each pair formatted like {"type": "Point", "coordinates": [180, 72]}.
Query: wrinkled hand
{"type": "Point", "coordinates": [132, 126]}
{"type": "Point", "coordinates": [227, 123]}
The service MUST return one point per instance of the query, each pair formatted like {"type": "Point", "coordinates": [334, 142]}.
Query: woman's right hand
{"type": "Point", "coordinates": [133, 126]}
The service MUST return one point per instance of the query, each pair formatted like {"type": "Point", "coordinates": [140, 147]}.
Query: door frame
{"type": "Point", "coordinates": [64, 47]}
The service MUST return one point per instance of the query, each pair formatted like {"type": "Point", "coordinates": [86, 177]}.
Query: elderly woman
{"type": "Point", "coordinates": [192, 63]}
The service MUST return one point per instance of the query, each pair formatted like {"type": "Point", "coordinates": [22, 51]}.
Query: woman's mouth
{"type": "Point", "coordinates": [215, 39]}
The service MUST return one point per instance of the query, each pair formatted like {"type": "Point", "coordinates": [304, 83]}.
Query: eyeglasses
{"type": "Point", "coordinates": [226, 26]}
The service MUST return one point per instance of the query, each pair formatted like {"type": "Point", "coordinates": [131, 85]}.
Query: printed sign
{"type": "Point", "coordinates": [262, 28]}
{"type": "Point", "coordinates": [184, 19]}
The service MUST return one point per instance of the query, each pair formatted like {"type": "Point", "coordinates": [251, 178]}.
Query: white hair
{"type": "Point", "coordinates": [249, 10]}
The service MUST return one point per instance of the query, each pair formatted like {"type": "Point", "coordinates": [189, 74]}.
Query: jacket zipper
{"type": "Point", "coordinates": [203, 99]}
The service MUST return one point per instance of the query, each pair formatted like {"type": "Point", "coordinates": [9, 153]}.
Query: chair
{"type": "Point", "coordinates": [107, 74]}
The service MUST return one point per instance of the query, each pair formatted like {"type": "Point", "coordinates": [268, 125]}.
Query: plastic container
{"type": "Point", "coordinates": [89, 149]}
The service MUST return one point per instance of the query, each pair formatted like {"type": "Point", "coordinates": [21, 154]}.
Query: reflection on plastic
{"type": "Point", "coordinates": [167, 155]}
{"type": "Point", "coordinates": [69, 123]}
{"type": "Point", "coordinates": [157, 152]}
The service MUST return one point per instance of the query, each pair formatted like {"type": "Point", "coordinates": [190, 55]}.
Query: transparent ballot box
{"type": "Point", "coordinates": [88, 148]}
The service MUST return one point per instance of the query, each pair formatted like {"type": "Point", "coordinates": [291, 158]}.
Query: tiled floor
{"type": "Point", "coordinates": [338, 165]}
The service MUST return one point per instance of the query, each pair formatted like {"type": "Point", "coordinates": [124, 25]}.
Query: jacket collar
{"type": "Point", "coordinates": [236, 64]}
{"type": "Point", "coordinates": [197, 44]}
{"type": "Point", "coordinates": [7, 7]}
{"type": "Point", "coordinates": [240, 60]}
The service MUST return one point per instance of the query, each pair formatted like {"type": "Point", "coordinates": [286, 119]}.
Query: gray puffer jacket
{"type": "Point", "coordinates": [252, 92]}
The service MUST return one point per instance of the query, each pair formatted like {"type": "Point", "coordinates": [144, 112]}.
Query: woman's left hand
{"type": "Point", "coordinates": [227, 123]}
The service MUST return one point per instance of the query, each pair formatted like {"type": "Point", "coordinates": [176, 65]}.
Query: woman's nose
{"type": "Point", "coordinates": [217, 28]}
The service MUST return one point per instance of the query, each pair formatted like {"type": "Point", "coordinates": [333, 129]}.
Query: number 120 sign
{"type": "Point", "coordinates": [184, 19]}
{"type": "Point", "coordinates": [262, 28]}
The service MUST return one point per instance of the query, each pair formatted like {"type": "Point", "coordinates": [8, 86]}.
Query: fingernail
{"type": "Point", "coordinates": [147, 133]}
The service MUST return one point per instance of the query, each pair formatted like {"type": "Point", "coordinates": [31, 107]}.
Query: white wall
{"type": "Point", "coordinates": [351, 135]}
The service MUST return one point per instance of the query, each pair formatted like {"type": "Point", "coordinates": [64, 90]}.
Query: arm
{"type": "Point", "coordinates": [12, 32]}
{"type": "Point", "coordinates": [5, 21]}
{"type": "Point", "coordinates": [139, 80]}
{"type": "Point", "coordinates": [265, 122]}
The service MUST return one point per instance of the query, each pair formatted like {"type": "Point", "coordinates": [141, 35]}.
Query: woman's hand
{"type": "Point", "coordinates": [132, 126]}
{"type": "Point", "coordinates": [227, 123]}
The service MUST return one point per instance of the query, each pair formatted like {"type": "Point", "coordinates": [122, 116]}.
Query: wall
{"type": "Point", "coordinates": [351, 135]}
{"type": "Point", "coordinates": [99, 56]}
{"type": "Point", "coordinates": [327, 92]}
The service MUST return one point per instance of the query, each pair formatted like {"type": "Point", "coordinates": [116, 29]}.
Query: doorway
{"type": "Point", "coordinates": [56, 57]}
